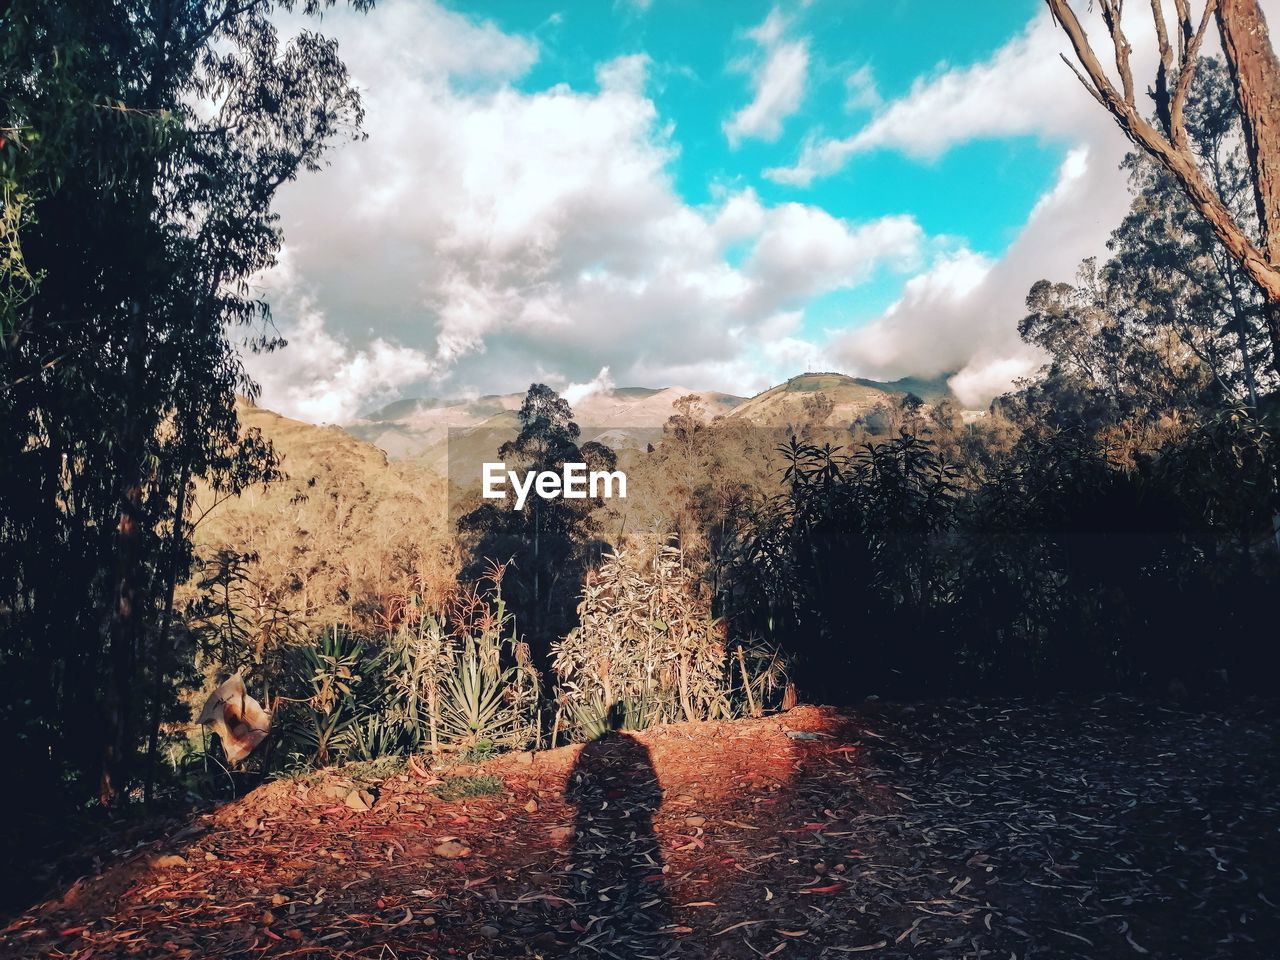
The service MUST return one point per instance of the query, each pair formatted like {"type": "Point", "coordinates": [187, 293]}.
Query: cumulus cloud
{"type": "Point", "coordinates": [778, 81]}
{"type": "Point", "coordinates": [961, 312]}
{"type": "Point", "coordinates": [321, 378]}
{"type": "Point", "coordinates": [1023, 89]}
{"type": "Point", "coordinates": [600, 383]}
{"type": "Point", "coordinates": [494, 235]}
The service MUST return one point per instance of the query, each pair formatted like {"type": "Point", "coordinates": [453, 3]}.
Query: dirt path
{"type": "Point", "coordinates": [1109, 829]}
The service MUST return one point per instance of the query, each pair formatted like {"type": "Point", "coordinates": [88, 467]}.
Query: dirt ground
{"type": "Point", "coordinates": [1105, 828]}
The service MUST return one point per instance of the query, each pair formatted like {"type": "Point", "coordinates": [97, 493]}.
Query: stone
{"type": "Point", "coordinates": [168, 861]}
{"type": "Point", "coordinates": [360, 800]}
{"type": "Point", "coordinates": [453, 850]}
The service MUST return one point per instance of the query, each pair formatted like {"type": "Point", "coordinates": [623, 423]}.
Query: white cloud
{"type": "Point", "coordinates": [600, 383]}
{"type": "Point", "coordinates": [502, 235]}
{"type": "Point", "coordinates": [860, 90]}
{"type": "Point", "coordinates": [961, 314]}
{"type": "Point", "coordinates": [1024, 88]}
{"type": "Point", "coordinates": [778, 82]}
{"type": "Point", "coordinates": [320, 378]}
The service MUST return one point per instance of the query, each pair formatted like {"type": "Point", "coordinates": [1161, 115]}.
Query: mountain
{"type": "Point", "coordinates": [623, 417]}
{"type": "Point", "coordinates": [851, 397]}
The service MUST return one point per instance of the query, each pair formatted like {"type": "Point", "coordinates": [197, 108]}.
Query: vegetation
{"type": "Point", "coordinates": [1108, 524]}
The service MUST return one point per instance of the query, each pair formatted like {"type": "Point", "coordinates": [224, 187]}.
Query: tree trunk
{"type": "Point", "coordinates": [159, 660]}
{"type": "Point", "coordinates": [1255, 70]}
{"type": "Point", "coordinates": [125, 614]}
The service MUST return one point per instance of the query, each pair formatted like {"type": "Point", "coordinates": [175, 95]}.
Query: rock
{"type": "Point", "coordinates": [336, 791]}
{"type": "Point", "coordinates": [360, 800]}
{"type": "Point", "coordinates": [695, 821]}
{"type": "Point", "coordinates": [526, 758]}
{"type": "Point", "coordinates": [531, 806]}
{"type": "Point", "coordinates": [561, 834]}
{"type": "Point", "coordinates": [279, 900]}
{"type": "Point", "coordinates": [488, 932]}
{"type": "Point", "coordinates": [453, 850]}
{"type": "Point", "coordinates": [268, 918]}
{"type": "Point", "coordinates": [168, 861]}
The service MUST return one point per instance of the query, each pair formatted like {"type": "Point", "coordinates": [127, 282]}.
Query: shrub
{"type": "Point", "coordinates": [647, 644]}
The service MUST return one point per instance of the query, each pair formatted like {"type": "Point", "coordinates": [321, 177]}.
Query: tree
{"type": "Point", "coordinates": [148, 143]}
{"type": "Point", "coordinates": [551, 542]}
{"type": "Point", "coordinates": [1255, 72]}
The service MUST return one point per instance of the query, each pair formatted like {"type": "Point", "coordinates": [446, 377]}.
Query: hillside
{"type": "Point", "coordinates": [623, 418]}
{"type": "Point", "coordinates": [345, 522]}
{"type": "Point", "coordinates": [851, 397]}
{"type": "Point", "coordinates": [631, 416]}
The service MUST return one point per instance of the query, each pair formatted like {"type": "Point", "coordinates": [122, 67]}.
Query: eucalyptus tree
{"type": "Point", "coordinates": [1255, 80]}
{"type": "Point", "coordinates": [145, 142]}
{"type": "Point", "coordinates": [551, 541]}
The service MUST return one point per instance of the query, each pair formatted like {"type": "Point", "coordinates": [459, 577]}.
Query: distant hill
{"type": "Point", "coordinates": [344, 521]}
{"type": "Point", "coordinates": [851, 397]}
{"type": "Point", "coordinates": [418, 429]}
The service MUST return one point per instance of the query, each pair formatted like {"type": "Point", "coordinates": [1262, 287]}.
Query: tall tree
{"type": "Point", "coordinates": [144, 145]}
{"type": "Point", "coordinates": [550, 542]}
{"type": "Point", "coordinates": [1255, 71]}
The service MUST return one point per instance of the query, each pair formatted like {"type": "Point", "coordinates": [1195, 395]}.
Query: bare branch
{"type": "Point", "coordinates": [1104, 91]}
{"type": "Point", "coordinates": [1161, 92]}
{"type": "Point", "coordinates": [1112, 10]}
{"type": "Point", "coordinates": [1183, 7]}
{"type": "Point", "coordinates": [1186, 73]}
{"type": "Point", "coordinates": [1088, 87]}
{"type": "Point", "coordinates": [1176, 157]}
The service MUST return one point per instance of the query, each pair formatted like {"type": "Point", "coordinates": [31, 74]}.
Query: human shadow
{"type": "Point", "coordinates": [617, 877]}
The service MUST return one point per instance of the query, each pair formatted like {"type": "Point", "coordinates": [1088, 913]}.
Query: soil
{"type": "Point", "coordinates": [1108, 828]}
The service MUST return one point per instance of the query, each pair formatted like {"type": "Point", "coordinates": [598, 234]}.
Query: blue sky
{"type": "Point", "coordinates": [712, 195]}
{"type": "Point", "coordinates": [702, 54]}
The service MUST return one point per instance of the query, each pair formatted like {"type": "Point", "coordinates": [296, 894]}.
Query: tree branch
{"type": "Point", "coordinates": [1181, 163]}
{"type": "Point", "coordinates": [1186, 73]}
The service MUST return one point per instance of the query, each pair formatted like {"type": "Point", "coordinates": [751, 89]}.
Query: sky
{"type": "Point", "coordinates": [712, 195]}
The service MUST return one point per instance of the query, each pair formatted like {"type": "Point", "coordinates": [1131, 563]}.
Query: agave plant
{"type": "Point", "coordinates": [328, 673]}
{"type": "Point", "coordinates": [489, 693]}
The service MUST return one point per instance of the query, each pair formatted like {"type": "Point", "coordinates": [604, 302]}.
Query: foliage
{"type": "Point", "coordinates": [139, 162]}
{"type": "Point", "coordinates": [551, 542]}
{"type": "Point", "coordinates": [330, 700]}
{"type": "Point", "coordinates": [489, 696]}
{"type": "Point", "coordinates": [646, 646]}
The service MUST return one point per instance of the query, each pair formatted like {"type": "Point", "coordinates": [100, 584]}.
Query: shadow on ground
{"type": "Point", "coordinates": [1104, 828]}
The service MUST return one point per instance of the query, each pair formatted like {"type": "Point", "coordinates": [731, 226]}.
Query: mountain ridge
{"type": "Point", "coordinates": [418, 427]}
